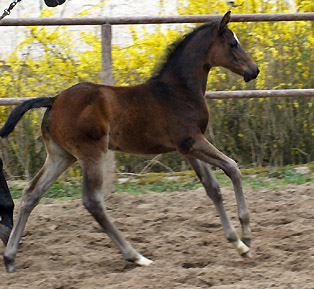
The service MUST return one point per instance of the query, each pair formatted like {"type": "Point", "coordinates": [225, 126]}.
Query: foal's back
{"type": "Point", "coordinates": [140, 119]}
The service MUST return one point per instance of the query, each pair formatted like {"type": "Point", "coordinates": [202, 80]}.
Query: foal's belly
{"type": "Point", "coordinates": [142, 150]}
{"type": "Point", "coordinates": [139, 141]}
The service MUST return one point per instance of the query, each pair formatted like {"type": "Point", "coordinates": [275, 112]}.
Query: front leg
{"type": "Point", "coordinates": [199, 148]}
{"type": "Point", "coordinates": [211, 186]}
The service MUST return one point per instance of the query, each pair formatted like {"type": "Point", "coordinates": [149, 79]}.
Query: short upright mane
{"type": "Point", "coordinates": [172, 49]}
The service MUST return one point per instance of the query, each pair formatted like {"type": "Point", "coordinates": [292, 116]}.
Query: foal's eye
{"type": "Point", "coordinates": [233, 44]}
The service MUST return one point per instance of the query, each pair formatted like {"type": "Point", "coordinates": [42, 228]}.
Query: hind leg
{"type": "Point", "coordinates": [57, 162]}
{"type": "Point", "coordinates": [93, 200]}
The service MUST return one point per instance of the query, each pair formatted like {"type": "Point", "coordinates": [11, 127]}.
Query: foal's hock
{"type": "Point", "coordinates": [167, 113]}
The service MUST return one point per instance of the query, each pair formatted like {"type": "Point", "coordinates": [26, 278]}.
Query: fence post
{"type": "Point", "coordinates": [107, 79]}
{"type": "Point", "coordinates": [106, 58]}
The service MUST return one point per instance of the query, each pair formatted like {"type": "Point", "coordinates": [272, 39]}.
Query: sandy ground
{"type": "Point", "coordinates": [63, 247]}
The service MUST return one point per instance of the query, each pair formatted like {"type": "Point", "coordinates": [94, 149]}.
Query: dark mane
{"type": "Point", "coordinates": [172, 49]}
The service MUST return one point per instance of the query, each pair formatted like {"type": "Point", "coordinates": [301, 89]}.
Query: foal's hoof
{"type": "Point", "coordinates": [247, 242]}
{"type": "Point", "coordinates": [247, 255]}
{"type": "Point", "coordinates": [143, 261]}
{"type": "Point", "coordinates": [4, 233]}
{"type": "Point", "coordinates": [9, 264]}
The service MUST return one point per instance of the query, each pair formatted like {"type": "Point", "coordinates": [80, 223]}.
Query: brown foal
{"type": "Point", "coordinates": [167, 113]}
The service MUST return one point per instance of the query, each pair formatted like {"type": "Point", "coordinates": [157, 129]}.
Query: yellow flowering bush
{"type": "Point", "coordinates": [56, 65]}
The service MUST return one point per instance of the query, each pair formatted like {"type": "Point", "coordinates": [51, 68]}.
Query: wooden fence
{"type": "Point", "coordinates": [106, 37]}
{"type": "Point", "coordinates": [256, 17]}
{"type": "Point", "coordinates": [236, 94]}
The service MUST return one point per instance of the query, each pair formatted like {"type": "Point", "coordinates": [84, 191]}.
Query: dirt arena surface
{"type": "Point", "coordinates": [63, 247]}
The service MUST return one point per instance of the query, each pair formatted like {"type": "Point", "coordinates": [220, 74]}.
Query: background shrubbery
{"type": "Point", "coordinates": [254, 132]}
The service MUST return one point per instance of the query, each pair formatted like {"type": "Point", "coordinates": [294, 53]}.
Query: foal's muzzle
{"type": "Point", "coordinates": [251, 73]}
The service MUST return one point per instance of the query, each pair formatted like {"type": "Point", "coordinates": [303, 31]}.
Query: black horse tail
{"type": "Point", "coordinates": [19, 111]}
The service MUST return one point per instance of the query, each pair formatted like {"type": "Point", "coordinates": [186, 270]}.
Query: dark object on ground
{"type": "Point", "coordinates": [54, 3]}
{"type": "Point", "coordinates": [6, 208]}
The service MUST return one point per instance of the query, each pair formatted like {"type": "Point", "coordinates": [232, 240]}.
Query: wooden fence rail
{"type": "Point", "coordinates": [256, 17]}
{"type": "Point", "coordinates": [259, 93]}
{"type": "Point", "coordinates": [214, 95]}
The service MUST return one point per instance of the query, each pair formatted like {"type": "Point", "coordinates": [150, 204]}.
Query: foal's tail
{"type": "Point", "coordinates": [19, 111]}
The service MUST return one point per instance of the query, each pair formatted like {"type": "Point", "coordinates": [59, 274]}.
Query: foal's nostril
{"type": "Point", "coordinates": [257, 70]}
{"type": "Point", "coordinates": [251, 73]}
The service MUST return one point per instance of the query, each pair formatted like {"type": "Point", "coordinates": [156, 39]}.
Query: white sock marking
{"type": "Point", "coordinates": [143, 261]}
{"type": "Point", "coordinates": [241, 247]}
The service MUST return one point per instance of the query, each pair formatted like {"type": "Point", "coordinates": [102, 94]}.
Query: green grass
{"type": "Point", "coordinates": [162, 186]}
{"type": "Point", "coordinates": [278, 177]}
{"type": "Point", "coordinates": [180, 181]}
{"type": "Point", "coordinates": [62, 191]}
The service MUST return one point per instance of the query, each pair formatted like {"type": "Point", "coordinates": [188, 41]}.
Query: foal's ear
{"type": "Point", "coordinates": [224, 21]}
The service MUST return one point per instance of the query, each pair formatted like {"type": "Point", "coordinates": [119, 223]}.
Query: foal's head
{"type": "Point", "coordinates": [226, 51]}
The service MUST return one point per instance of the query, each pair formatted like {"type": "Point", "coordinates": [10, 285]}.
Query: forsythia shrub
{"type": "Point", "coordinates": [57, 65]}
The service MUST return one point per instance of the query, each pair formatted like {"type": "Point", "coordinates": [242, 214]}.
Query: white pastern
{"type": "Point", "coordinates": [241, 247]}
{"type": "Point", "coordinates": [143, 261]}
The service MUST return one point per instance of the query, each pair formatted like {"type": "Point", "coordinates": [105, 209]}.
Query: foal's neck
{"type": "Point", "coordinates": [189, 68]}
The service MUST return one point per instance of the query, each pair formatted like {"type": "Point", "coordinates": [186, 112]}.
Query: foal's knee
{"type": "Point", "coordinates": [232, 170]}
